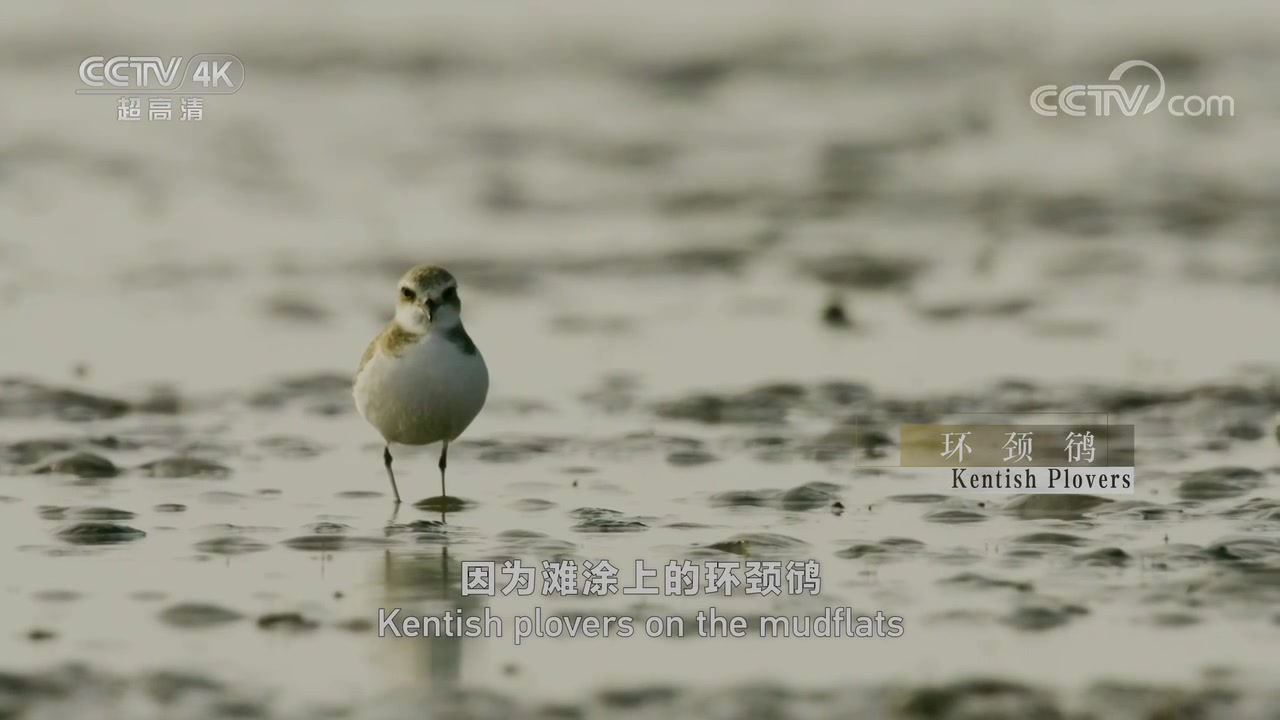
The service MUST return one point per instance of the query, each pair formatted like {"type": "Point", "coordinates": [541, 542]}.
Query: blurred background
{"type": "Point", "coordinates": [697, 244]}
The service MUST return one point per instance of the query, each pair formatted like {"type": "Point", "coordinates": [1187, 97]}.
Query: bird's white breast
{"type": "Point", "coordinates": [430, 391]}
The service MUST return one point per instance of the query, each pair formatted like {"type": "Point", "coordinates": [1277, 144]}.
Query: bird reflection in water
{"type": "Point", "coordinates": [425, 585]}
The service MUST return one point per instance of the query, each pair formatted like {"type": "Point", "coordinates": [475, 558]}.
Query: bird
{"type": "Point", "coordinates": [422, 380]}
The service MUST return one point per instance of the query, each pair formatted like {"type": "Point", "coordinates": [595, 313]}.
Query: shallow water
{"type": "Point", "coordinates": [692, 260]}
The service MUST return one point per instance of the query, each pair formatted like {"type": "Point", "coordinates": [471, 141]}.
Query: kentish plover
{"type": "Point", "coordinates": [423, 380]}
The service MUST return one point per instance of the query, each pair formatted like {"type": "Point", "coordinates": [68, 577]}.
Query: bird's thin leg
{"type": "Point", "coordinates": [444, 462]}
{"type": "Point", "coordinates": [386, 458]}
{"type": "Point", "coordinates": [444, 454]}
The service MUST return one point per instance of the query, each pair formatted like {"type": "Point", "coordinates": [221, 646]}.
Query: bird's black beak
{"type": "Point", "coordinates": [431, 306]}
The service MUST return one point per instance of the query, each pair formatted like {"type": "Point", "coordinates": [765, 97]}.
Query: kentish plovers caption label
{"type": "Point", "coordinates": [422, 380]}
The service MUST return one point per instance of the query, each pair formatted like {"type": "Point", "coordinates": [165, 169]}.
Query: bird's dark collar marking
{"type": "Point", "coordinates": [458, 336]}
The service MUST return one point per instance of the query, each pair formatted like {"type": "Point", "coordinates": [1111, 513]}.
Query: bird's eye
{"type": "Point", "coordinates": [450, 294]}
{"type": "Point", "coordinates": [406, 293]}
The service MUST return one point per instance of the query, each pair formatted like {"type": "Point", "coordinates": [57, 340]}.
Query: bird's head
{"type": "Point", "coordinates": [426, 298]}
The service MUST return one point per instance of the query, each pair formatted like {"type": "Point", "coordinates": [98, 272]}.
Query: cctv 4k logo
{"type": "Point", "coordinates": [206, 74]}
